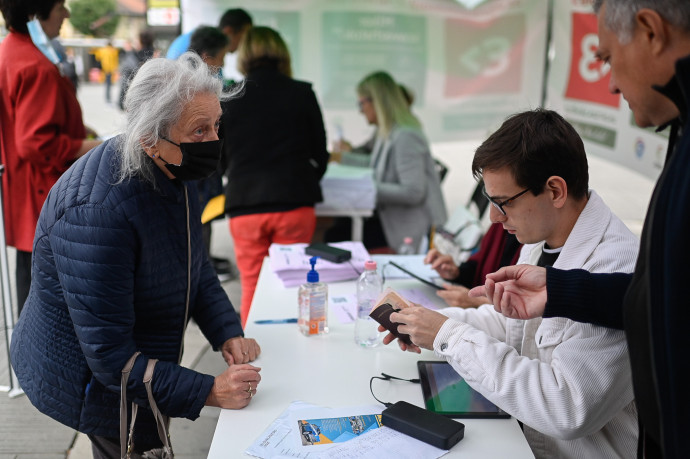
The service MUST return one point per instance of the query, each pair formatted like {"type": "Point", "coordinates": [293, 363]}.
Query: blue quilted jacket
{"type": "Point", "coordinates": [111, 265]}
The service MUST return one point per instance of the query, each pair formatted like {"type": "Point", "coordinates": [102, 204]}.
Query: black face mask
{"type": "Point", "coordinates": [199, 159]}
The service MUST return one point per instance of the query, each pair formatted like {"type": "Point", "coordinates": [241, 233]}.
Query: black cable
{"type": "Point", "coordinates": [386, 404]}
{"type": "Point", "coordinates": [387, 378]}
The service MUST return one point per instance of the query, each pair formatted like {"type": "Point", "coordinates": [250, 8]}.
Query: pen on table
{"type": "Point", "coordinates": [276, 321]}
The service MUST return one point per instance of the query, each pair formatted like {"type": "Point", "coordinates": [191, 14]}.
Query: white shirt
{"type": "Point", "coordinates": [568, 382]}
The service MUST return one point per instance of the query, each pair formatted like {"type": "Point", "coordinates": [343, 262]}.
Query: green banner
{"type": "Point", "coordinates": [595, 133]}
{"type": "Point", "coordinates": [355, 44]}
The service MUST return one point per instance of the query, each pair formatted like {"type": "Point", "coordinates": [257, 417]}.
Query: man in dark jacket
{"type": "Point", "coordinates": [647, 45]}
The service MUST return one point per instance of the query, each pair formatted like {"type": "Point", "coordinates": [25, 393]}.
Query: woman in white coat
{"type": "Point", "coordinates": [408, 190]}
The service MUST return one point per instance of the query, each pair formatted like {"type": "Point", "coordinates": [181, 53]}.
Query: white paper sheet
{"type": "Point", "coordinates": [383, 443]}
{"type": "Point", "coordinates": [282, 438]}
{"type": "Point", "coordinates": [277, 440]}
{"type": "Point", "coordinates": [347, 187]}
{"type": "Point", "coordinates": [344, 307]}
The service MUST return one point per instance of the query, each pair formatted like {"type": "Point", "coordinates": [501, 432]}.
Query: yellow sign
{"type": "Point", "coordinates": [164, 4]}
{"type": "Point", "coordinates": [214, 209]}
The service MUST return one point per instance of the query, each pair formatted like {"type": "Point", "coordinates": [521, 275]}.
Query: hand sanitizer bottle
{"type": "Point", "coordinates": [313, 304]}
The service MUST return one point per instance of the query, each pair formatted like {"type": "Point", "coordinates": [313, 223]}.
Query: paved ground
{"type": "Point", "coordinates": [27, 434]}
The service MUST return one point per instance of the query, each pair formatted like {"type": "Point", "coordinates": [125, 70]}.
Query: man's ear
{"type": "Point", "coordinates": [653, 29]}
{"type": "Point", "coordinates": [557, 190]}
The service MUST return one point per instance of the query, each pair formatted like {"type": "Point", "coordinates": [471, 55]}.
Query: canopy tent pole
{"type": "Point", "coordinates": [13, 389]}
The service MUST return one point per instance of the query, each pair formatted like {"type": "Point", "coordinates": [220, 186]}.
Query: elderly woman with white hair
{"type": "Point", "coordinates": [119, 268]}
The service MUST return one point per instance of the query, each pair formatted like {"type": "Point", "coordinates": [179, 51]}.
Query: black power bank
{"type": "Point", "coordinates": [328, 252]}
{"type": "Point", "coordinates": [431, 428]}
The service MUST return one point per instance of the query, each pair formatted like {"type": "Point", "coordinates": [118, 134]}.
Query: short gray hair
{"type": "Point", "coordinates": [154, 102]}
{"type": "Point", "coordinates": [619, 16]}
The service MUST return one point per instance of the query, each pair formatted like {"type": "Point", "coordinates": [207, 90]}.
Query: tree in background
{"type": "Point", "coordinates": [94, 17]}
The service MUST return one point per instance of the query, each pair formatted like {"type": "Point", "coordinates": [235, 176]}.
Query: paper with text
{"type": "Point", "coordinates": [383, 443]}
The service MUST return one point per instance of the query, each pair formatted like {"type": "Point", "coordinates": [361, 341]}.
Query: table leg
{"type": "Point", "coordinates": [357, 228]}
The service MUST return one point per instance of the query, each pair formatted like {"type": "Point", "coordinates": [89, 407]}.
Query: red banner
{"type": "Point", "coordinates": [589, 77]}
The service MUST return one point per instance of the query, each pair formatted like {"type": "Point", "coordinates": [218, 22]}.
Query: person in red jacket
{"type": "Point", "coordinates": [42, 128]}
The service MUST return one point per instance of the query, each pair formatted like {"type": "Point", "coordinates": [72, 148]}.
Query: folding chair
{"type": "Point", "coordinates": [442, 170]}
{"type": "Point", "coordinates": [460, 235]}
{"type": "Point", "coordinates": [478, 200]}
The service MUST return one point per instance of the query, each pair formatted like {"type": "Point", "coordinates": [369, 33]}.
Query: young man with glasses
{"type": "Point", "coordinates": [569, 383]}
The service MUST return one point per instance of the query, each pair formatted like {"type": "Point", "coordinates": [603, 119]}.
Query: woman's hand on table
{"type": "Point", "coordinates": [340, 146]}
{"type": "Point", "coordinates": [335, 157]}
{"type": "Point", "coordinates": [458, 295]}
{"type": "Point", "coordinates": [442, 264]}
{"type": "Point", "coordinates": [240, 350]}
{"type": "Point", "coordinates": [235, 387]}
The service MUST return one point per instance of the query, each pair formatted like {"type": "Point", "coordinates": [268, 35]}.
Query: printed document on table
{"type": "Point", "coordinates": [290, 436]}
{"type": "Point", "coordinates": [277, 440]}
{"type": "Point", "coordinates": [356, 433]}
{"type": "Point", "coordinates": [344, 307]}
{"type": "Point", "coordinates": [384, 443]}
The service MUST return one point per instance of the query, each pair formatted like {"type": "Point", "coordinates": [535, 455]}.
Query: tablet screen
{"type": "Point", "coordinates": [446, 393]}
{"type": "Point", "coordinates": [419, 278]}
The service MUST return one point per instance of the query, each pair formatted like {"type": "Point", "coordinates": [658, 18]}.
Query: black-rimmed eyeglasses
{"type": "Point", "coordinates": [499, 205]}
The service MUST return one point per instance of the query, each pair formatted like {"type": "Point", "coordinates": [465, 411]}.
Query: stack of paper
{"type": "Point", "coordinates": [291, 264]}
{"type": "Point", "coordinates": [347, 187]}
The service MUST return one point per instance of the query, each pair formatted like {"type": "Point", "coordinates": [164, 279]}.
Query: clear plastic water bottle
{"type": "Point", "coordinates": [407, 247]}
{"type": "Point", "coordinates": [369, 288]}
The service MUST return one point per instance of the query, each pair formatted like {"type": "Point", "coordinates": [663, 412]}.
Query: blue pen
{"type": "Point", "coordinates": [276, 321]}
